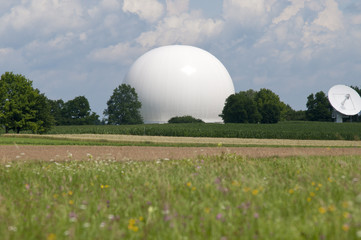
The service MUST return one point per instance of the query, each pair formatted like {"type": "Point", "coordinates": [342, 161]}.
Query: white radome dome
{"type": "Point", "coordinates": [180, 80]}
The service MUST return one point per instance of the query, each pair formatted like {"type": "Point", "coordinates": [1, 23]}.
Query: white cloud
{"type": "Point", "coordinates": [330, 17]}
{"type": "Point", "coordinates": [290, 11]}
{"type": "Point", "coordinates": [247, 12]}
{"type": "Point", "coordinates": [120, 53]}
{"type": "Point", "coordinates": [149, 10]}
{"type": "Point", "coordinates": [183, 29]}
{"type": "Point", "coordinates": [176, 7]}
{"type": "Point", "coordinates": [110, 4]}
{"type": "Point", "coordinates": [47, 16]}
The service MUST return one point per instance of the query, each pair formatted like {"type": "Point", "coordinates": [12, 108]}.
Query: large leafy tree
{"type": "Point", "coordinates": [252, 107]}
{"type": "Point", "coordinates": [318, 107]}
{"type": "Point", "coordinates": [241, 108]}
{"type": "Point", "coordinates": [73, 112]}
{"type": "Point", "coordinates": [269, 106]}
{"type": "Point", "coordinates": [76, 112]}
{"type": "Point", "coordinates": [21, 106]}
{"type": "Point", "coordinates": [123, 106]}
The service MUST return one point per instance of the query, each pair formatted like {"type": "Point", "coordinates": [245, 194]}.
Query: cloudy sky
{"type": "Point", "coordinates": [72, 48]}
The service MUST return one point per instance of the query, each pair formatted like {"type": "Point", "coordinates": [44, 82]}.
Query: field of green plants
{"type": "Point", "coordinates": [223, 197]}
{"type": "Point", "coordinates": [282, 130]}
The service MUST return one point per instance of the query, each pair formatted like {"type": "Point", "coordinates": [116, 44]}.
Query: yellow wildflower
{"type": "Point", "coordinates": [141, 218]}
{"type": "Point", "coordinates": [313, 183]}
{"type": "Point", "coordinates": [291, 191]}
{"type": "Point", "coordinates": [236, 184]}
{"type": "Point", "coordinates": [345, 227]}
{"type": "Point", "coordinates": [194, 188]}
{"type": "Point", "coordinates": [51, 236]}
{"type": "Point", "coordinates": [320, 185]}
{"type": "Point", "coordinates": [346, 215]}
{"type": "Point", "coordinates": [331, 208]}
{"type": "Point", "coordinates": [189, 184]}
{"type": "Point", "coordinates": [255, 192]}
{"type": "Point", "coordinates": [246, 189]}
{"type": "Point", "coordinates": [309, 199]}
{"type": "Point", "coordinates": [207, 210]}
{"type": "Point", "coordinates": [322, 210]}
{"type": "Point", "coordinates": [55, 196]}
{"type": "Point", "coordinates": [70, 193]}
{"type": "Point", "coordinates": [312, 194]}
{"type": "Point", "coordinates": [71, 202]}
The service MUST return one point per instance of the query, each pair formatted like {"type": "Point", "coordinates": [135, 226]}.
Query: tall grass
{"type": "Point", "coordinates": [222, 197]}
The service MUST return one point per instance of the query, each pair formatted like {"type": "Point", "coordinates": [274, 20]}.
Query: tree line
{"type": "Point", "coordinates": [24, 108]}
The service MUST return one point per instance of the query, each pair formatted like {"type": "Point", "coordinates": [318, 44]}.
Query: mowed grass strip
{"type": "Point", "coordinates": [126, 140]}
{"type": "Point", "coordinates": [221, 197]}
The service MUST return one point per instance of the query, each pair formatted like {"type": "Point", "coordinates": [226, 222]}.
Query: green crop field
{"type": "Point", "coordinates": [223, 197]}
{"type": "Point", "coordinates": [282, 130]}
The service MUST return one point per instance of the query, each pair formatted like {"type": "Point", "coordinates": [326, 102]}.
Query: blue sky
{"type": "Point", "coordinates": [71, 48]}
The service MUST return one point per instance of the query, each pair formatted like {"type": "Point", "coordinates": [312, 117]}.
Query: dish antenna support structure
{"type": "Point", "coordinates": [345, 102]}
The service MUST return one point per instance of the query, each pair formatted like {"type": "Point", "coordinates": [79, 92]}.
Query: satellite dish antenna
{"type": "Point", "coordinates": [345, 102]}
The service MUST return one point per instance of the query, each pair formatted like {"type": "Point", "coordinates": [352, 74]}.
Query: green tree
{"type": "Point", "coordinates": [185, 119]}
{"type": "Point", "coordinates": [240, 108]}
{"type": "Point", "coordinates": [21, 106]}
{"type": "Point", "coordinates": [77, 112]}
{"type": "Point", "coordinates": [123, 106]}
{"type": "Point", "coordinates": [318, 107]}
{"type": "Point", "coordinates": [269, 106]}
{"type": "Point", "coordinates": [56, 107]}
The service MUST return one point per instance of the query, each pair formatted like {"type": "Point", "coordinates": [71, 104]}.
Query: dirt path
{"type": "Point", "coordinates": [153, 153]}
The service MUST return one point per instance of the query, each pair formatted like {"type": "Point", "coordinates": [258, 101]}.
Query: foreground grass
{"type": "Point", "coordinates": [223, 197]}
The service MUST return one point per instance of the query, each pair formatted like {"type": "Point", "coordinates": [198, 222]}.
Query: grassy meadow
{"type": "Point", "coordinates": [223, 197]}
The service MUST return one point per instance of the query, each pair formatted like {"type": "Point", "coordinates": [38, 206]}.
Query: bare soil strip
{"type": "Point", "coordinates": [61, 153]}
{"type": "Point", "coordinates": [228, 141]}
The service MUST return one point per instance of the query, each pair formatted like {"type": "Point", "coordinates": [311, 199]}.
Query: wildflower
{"type": "Point", "coordinates": [322, 210]}
{"type": "Point", "coordinates": [312, 194]}
{"type": "Point", "coordinates": [246, 189]}
{"type": "Point", "coordinates": [141, 218]}
{"type": "Point", "coordinates": [317, 188]}
{"type": "Point", "coordinates": [291, 191]}
{"type": "Point", "coordinates": [309, 199]}
{"type": "Point", "coordinates": [71, 202]}
{"type": "Point", "coordinates": [313, 183]}
{"type": "Point", "coordinates": [320, 185]}
{"type": "Point", "coordinates": [27, 186]}
{"type": "Point", "coordinates": [86, 225]}
{"type": "Point", "coordinates": [331, 208]}
{"type": "Point", "coordinates": [207, 210]}
{"type": "Point", "coordinates": [102, 225]}
{"type": "Point", "coordinates": [12, 228]}
{"type": "Point", "coordinates": [110, 216]}
{"type": "Point", "coordinates": [219, 216]}
{"type": "Point", "coordinates": [51, 236]}
{"type": "Point", "coordinates": [345, 227]}
{"type": "Point", "coordinates": [345, 204]}
{"type": "Point", "coordinates": [189, 184]}
{"type": "Point", "coordinates": [7, 166]}
{"type": "Point", "coordinates": [255, 192]}
{"type": "Point", "coordinates": [70, 193]}
{"type": "Point", "coordinates": [236, 184]}
{"type": "Point", "coordinates": [346, 215]}
{"type": "Point", "coordinates": [256, 215]}
{"type": "Point", "coordinates": [358, 233]}
{"type": "Point", "coordinates": [194, 188]}
{"type": "Point", "coordinates": [131, 225]}
{"type": "Point", "coordinates": [330, 179]}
